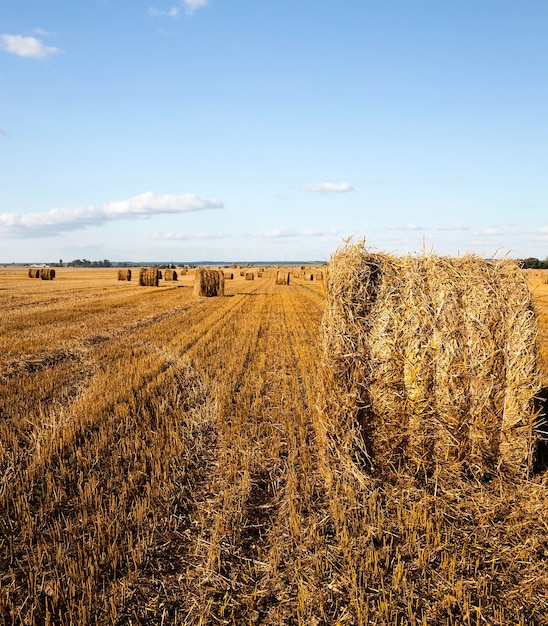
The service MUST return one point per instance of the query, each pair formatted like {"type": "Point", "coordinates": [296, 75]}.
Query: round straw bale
{"type": "Point", "coordinates": [428, 362]}
{"type": "Point", "coordinates": [250, 276]}
{"type": "Point", "coordinates": [170, 275]}
{"type": "Point", "coordinates": [149, 277]}
{"type": "Point", "coordinates": [282, 277]}
{"type": "Point", "coordinates": [124, 274]}
{"type": "Point", "coordinates": [47, 273]}
{"type": "Point", "coordinates": [209, 282]}
{"type": "Point", "coordinates": [34, 272]}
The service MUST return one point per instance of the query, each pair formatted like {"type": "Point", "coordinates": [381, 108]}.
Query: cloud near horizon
{"type": "Point", "coordinates": [29, 47]}
{"type": "Point", "coordinates": [142, 206]}
{"type": "Point", "coordinates": [285, 233]}
{"type": "Point", "coordinates": [188, 5]}
{"type": "Point", "coordinates": [172, 236]}
{"type": "Point", "coordinates": [328, 187]}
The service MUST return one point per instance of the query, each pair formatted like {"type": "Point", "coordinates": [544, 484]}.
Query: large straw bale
{"type": "Point", "coordinates": [428, 362]}
{"type": "Point", "coordinates": [149, 277]}
{"type": "Point", "coordinates": [47, 273]}
{"type": "Point", "coordinates": [282, 277]}
{"type": "Point", "coordinates": [209, 282]}
{"type": "Point", "coordinates": [124, 274]}
{"type": "Point", "coordinates": [170, 275]}
{"type": "Point", "coordinates": [250, 276]}
{"type": "Point", "coordinates": [34, 272]}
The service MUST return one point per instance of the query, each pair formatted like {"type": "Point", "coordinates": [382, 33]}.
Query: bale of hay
{"type": "Point", "coordinates": [47, 273]}
{"type": "Point", "coordinates": [170, 275]}
{"type": "Point", "coordinates": [183, 271]}
{"type": "Point", "coordinates": [124, 274]}
{"type": "Point", "coordinates": [318, 276]}
{"type": "Point", "coordinates": [209, 282]}
{"type": "Point", "coordinates": [429, 363]}
{"type": "Point", "coordinates": [260, 274]}
{"type": "Point", "coordinates": [250, 276]}
{"type": "Point", "coordinates": [282, 277]}
{"type": "Point", "coordinates": [229, 276]}
{"type": "Point", "coordinates": [34, 272]}
{"type": "Point", "coordinates": [149, 277]}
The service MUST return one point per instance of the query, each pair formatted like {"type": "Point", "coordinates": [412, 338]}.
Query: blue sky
{"type": "Point", "coordinates": [180, 130]}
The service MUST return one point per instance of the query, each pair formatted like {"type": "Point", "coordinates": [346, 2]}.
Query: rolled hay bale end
{"type": "Point", "coordinates": [149, 277]}
{"type": "Point", "coordinates": [47, 273]}
{"type": "Point", "coordinates": [170, 275]}
{"type": "Point", "coordinates": [250, 276]}
{"type": "Point", "coordinates": [229, 276]}
{"type": "Point", "coordinates": [124, 274]}
{"type": "Point", "coordinates": [282, 277]}
{"type": "Point", "coordinates": [429, 363]}
{"type": "Point", "coordinates": [34, 272]}
{"type": "Point", "coordinates": [209, 283]}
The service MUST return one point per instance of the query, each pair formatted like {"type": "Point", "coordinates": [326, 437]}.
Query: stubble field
{"type": "Point", "coordinates": [159, 464]}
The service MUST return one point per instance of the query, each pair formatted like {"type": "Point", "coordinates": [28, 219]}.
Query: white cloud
{"type": "Point", "coordinates": [285, 233]}
{"type": "Point", "coordinates": [172, 236]}
{"type": "Point", "coordinates": [173, 12]}
{"type": "Point", "coordinates": [26, 46]}
{"type": "Point", "coordinates": [189, 5]}
{"type": "Point", "coordinates": [328, 187]}
{"type": "Point", "coordinates": [406, 227]}
{"type": "Point", "coordinates": [145, 205]}
{"type": "Point", "coordinates": [456, 226]}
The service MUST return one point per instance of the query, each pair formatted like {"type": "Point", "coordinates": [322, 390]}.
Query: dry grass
{"type": "Point", "coordinates": [177, 478]}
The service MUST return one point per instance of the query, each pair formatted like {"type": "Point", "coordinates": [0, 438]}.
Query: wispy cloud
{"type": "Point", "coordinates": [328, 187]}
{"type": "Point", "coordinates": [189, 6]}
{"type": "Point", "coordinates": [411, 227]}
{"type": "Point", "coordinates": [173, 236]}
{"type": "Point", "coordinates": [453, 227]}
{"type": "Point", "coordinates": [30, 47]}
{"type": "Point", "coordinates": [145, 205]}
{"type": "Point", "coordinates": [290, 232]}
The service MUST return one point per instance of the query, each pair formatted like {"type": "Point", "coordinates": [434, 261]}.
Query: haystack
{"type": "Point", "coordinates": [34, 272]}
{"type": "Point", "coordinates": [149, 277]}
{"type": "Point", "coordinates": [209, 282]}
{"type": "Point", "coordinates": [124, 274]}
{"type": "Point", "coordinates": [282, 277]}
{"type": "Point", "coordinates": [428, 362]}
{"type": "Point", "coordinates": [47, 273]}
{"type": "Point", "coordinates": [250, 276]}
{"type": "Point", "coordinates": [170, 275]}
{"type": "Point", "coordinates": [229, 276]}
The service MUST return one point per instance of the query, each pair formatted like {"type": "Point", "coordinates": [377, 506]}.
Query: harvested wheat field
{"type": "Point", "coordinates": [168, 458]}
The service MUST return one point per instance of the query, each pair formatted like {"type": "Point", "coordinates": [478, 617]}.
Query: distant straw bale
{"type": "Point", "coordinates": [170, 275]}
{"type": "Point", "coordinates": [250, 276]}
{"type": "Point", "coordinates": [47, 273]}
{"type": "Point", "coordinates": [124, 274]}
{"type": "Point", "coordinates": [183, 271]}
{"type": "Point", "coordinates": [209, 282]}
{"type": "Point", "coordinates": [282, 277]}
{"type": "Point", "coordinates": [34, 272]}
{"type": "Point", "coordinates": [429, 363]}
{"type": "Point", "coordinates": [149, 277]}
{"type": "Point", "coordinates": [229, 276]}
